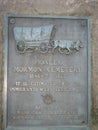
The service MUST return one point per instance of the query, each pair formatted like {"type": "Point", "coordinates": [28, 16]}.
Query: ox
{"type": "Point", "coordinates": [68, 45]}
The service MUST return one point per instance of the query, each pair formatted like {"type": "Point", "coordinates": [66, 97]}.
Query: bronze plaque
{"type": "Point", "coordinates": [47, 73]}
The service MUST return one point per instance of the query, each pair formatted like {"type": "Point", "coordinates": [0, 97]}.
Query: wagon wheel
{"type": "Point", "coordinates": [21, 47]}
{"type": "Point", "coordinates": [43, 48]}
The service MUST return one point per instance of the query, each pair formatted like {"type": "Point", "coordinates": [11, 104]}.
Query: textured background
{"type": "Point", "coordinates": [57, 7]}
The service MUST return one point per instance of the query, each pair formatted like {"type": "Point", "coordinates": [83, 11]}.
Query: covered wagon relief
{"type": "Point", "coordinates": [30, 39]}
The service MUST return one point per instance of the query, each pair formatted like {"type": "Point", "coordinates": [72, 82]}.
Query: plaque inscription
{"type": "Point", "coordinates": [46, 73]}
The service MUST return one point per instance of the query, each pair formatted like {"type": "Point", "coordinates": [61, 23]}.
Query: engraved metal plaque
{"type": "Point", "coordinates": [47, 73]}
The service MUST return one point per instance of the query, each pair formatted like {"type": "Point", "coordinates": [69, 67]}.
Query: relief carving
{"type": "Point", "coordinates": [40, 39]}
{"type": "Point", "coordinates": [67, 46]}
{"type": "Point", "coordinates": [48, 99]}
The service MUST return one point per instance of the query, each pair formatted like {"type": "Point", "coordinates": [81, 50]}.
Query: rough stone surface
{"type": "Point", "coordinates": [57, 7]}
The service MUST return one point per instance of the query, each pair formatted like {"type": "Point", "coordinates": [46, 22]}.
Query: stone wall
{"type": "Point", "coordinates": [57, 7]}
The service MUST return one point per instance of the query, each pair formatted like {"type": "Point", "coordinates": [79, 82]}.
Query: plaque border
{"type": "Point", "coordinates": [72, 127]}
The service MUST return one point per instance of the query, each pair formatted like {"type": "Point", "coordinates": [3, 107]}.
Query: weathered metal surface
{"type": "Point", "coordinates": [47, 73]}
